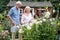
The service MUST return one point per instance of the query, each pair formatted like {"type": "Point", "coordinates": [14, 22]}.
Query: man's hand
{"type": "Point", "coordinates": [13, 23]}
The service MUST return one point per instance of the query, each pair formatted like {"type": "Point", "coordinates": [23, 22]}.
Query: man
{"type": "Point", "coordinates": [14, 17]}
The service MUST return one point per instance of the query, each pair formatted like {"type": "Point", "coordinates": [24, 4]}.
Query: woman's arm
{"type": "Point", "coordinates": [9, 16]}
{"type": "Point", "coordinates": [22, 19]}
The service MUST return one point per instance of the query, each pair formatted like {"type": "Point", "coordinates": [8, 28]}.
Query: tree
{"type": "Point", "coordinates": [3, 5]}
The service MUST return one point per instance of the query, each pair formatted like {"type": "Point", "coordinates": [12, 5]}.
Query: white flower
{"type": "Point", "coordinates": [51, 20]}
{"type": "Point", "coordinates": [54, 11]}
{"type": "Point", "coordinates": [34, 21]}
{"type": "Point", "coordinates": [28, 27]}
{"type": "Point", "coordinates": [20, 31]}
{"type": "Point", "coordinates": [37, 22]}
{"type": "Point", "coordinates": [44, 20]}
{"type": "Point", "coordinates": [17, 26]}
{"type": "Point", "coordinates": [52, 23]}
{"type": "Point", "coordinates": [31, 24]}
{"type": "Point", "coordinates": [40, 21]}
{"type": "Point", "coordinates": [47, 15]}
{"type": "Point", "coordinates": [59, 3]}
{"type": "Point", "coordinates": [24, 25]}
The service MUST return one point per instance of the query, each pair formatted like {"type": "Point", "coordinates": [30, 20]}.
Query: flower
{"type": "Point", "coordinates": [24, 25]}
{"type": "Point", "coordinates": [17, 26]}
{"type": "Point", "coordinates": [6, 31]}
{"type": "Point", "coordinates": [40, 21]}
{"type": "Point", "coordinates": [34, 21]}
{"type": "Point", "coordinates": [3, 33]}
{"type": "Point", "coordinates": [37, 23]}
{"type": "Point", "coordinates": [47, 15]}
{"type": "Point", "coordinates": [52, 23]}
{"type": "Point", "coordinates": [53, 10]}
{"type": "Point", "coordinates": [50, 20]}
{"type": "Point", "coordinates": [44, 20]}
{"type": "Point", "coordinates": [53, 19]}
{"type": "Point", "coordinates": [58, 24]}
{"type": "Point", "coordinates": [20, 31]}
{"type": "Point", "coordinates": [28, 27]}
{"type": "Point", "coordinates": [31, 24]}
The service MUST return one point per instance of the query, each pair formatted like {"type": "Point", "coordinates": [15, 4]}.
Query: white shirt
{"type": "Point", "coordinates": [26, 18]}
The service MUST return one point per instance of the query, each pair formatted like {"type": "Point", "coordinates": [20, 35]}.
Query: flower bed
{"type": "Point", "coordinates": [4, 34]}
{"type": "Point", "coordinates": [42, 29]}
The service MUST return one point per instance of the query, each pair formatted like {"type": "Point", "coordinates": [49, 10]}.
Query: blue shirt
{"type": "Point", "coordinates": [15, 15]}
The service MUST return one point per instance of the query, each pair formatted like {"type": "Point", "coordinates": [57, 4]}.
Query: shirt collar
{"type": "Point", "coordinates": [18, 8]}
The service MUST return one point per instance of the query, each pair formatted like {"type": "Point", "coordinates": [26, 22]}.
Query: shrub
{"type": "Point", "coordinates": [4, 35]}
{"type": "Point", "coordinates": [44, 29]}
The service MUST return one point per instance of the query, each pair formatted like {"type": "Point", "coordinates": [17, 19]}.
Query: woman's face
{"type": "Point", "coordinates": [27, 10]}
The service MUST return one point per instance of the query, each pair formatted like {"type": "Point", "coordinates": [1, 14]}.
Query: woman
{"type": "Point", "coordinates": [27, 16]}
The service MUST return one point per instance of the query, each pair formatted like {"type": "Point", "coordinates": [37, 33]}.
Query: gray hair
{"type": "Point", "coordinates": [18, 2]}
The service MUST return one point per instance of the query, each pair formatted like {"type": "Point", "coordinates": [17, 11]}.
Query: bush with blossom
{"type": "Point", "coordinates": [4, 34]}
{"type": "Point", "coordinates": [41, 29]}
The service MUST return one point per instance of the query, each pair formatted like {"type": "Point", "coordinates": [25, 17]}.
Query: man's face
{"type": "Point", "coordinates": [18, 5]}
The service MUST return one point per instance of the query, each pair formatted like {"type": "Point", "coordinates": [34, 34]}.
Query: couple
{"type": "Point", "coordinates": [14, 17]}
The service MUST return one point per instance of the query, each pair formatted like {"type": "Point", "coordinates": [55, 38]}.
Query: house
{"type": "Point", "coordinates": [35, 6]}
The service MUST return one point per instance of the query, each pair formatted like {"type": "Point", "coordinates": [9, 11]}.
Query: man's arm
{"type": "Point", "coordinates": [9, 16]}
{"type": "Point", "coordinates": [10, 19]}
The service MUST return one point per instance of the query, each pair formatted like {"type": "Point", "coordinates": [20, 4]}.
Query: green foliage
{"type": "Point", "coordinates": [40, 31]}
{"type": "Point", "coordinates": [4, 26]}
{"type": "Point", "coordinates": [56, 6]}
{"type": "Point", "coordinates": [1, 28]}
{"type": "Point", "coordinates": [3, 5]}
{"type": "Point", "coordinates": [4, 35]}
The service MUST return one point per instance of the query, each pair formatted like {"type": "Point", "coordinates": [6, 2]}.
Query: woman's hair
{"type": "Point", "coordinates": [26, 8]}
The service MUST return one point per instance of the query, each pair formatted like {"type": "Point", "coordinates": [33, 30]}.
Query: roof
{"type": "Point", "coordinates": [32, 4]}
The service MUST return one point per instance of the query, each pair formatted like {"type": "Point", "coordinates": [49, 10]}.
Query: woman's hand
{"type": "Point", "coordinates": [30, 21]}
